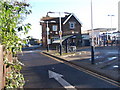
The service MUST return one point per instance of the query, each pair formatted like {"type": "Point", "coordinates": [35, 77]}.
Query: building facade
{"type": "Point", "coordinates": [70, 26]}
{"type": "Point", "coordinates": [103, 35]}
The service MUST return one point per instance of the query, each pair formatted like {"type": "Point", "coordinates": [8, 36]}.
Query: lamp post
{"type": "Point", "coordinates": [60, 34]}
{"type": "Point", "coordinates": [111, 24]}
{"type": "Point", "coordinates": [60, 30]}
{"type": "Point", "coordinates": [111, 20]}
{"type": "Point", "coordinates": [92, 36]}
{"type": "Point", "coordinates": [107, 37]}
{"type": "Point", "coordinates": [47, 37]}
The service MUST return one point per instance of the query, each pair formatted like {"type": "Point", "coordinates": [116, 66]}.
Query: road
{"type": "Point", "coordinates": [38, 65]}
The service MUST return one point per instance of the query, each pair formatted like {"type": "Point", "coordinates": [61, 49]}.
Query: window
{"type": "Point", "coordinates": [54, 27]}
{"type": "Point", "coordinates": [72, 25]}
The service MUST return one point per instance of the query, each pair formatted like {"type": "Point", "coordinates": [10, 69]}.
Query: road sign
{"type": "Point", "coordinates": [60, 33]}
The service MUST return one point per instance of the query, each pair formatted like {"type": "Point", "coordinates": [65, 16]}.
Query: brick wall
{"type": "Point", "coordinates": [68, 31]}
{"type": "Point", "coordinates": [1, 67]}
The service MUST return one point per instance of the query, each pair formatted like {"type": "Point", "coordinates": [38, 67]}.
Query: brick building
{"type": "Point", "coordinates": [71, 30]}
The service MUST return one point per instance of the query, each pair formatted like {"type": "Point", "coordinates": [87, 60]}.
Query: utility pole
{"type": "Point", "coordinates": [92, 36]}
{"type": "Point", "coordinates": [60, 34]}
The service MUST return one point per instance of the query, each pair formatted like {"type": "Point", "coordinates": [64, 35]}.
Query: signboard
{"type": "Point", "coordinates": [49, 41]}
{"type": "Point", "coordinates": [60, 33]}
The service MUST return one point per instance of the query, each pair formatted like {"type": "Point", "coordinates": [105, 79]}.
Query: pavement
{"type": "Point", "coordinates": [106, 60]}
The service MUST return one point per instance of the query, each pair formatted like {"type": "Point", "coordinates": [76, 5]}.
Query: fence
{"type": "Point", "coordinates": [2, 83]}
{"type": "Point", "coordinates": [3, 69]}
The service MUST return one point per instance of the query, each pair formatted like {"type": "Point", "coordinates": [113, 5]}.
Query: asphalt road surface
{"type": "Point", "coordinates": [36, 73]}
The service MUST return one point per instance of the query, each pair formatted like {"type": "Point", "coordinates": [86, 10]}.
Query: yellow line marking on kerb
{"type": "Point", "coordinates": [52, 57]}
{"type": "Point", "coordinates": [86, 71]}
{"type": "Point", "coordinates": [99, 76]}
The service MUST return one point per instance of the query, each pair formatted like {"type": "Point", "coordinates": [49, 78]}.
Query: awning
{"type": "Point", "coordinates": [63, 38]}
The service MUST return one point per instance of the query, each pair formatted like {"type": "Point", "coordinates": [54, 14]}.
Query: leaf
{"type": "Point", "coordinates": [12, 14]}
{"type": "Point", "coordinates": [20, 28]}
{"type": "Point", "coordinates": [8, 65]}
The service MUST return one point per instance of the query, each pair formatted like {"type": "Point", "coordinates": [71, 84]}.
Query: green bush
{"type": "Point", "coordinates": [12, 15]}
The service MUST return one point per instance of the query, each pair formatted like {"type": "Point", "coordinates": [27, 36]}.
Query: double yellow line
{"type": "Point", "coordinates": [113, 82]}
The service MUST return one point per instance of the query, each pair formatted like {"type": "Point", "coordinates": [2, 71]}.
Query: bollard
{"type": "Point", "coordinates": [92, 55]}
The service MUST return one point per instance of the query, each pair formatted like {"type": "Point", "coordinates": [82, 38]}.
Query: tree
{"type": "Point", "coordinates": [12, 14]}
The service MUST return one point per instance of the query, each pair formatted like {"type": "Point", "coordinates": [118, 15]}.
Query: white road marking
{"type": "Point", "coordinates": [59, 78]}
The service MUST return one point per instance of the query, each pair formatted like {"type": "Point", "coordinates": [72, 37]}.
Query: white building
{"type": "Point", "coordinates": [102, 34]}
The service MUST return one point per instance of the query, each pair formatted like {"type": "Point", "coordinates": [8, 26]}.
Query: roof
{"type": "Point", "coordinates": [70, 17]}
{"type": "Point", "coordinates": [63, 19]}
{"type": "Point", "coordinates": [46, 18]}
{"type": "Point", "coordinates": [103, 29]}
{"type": "Point", "coordinates": [63, 38]}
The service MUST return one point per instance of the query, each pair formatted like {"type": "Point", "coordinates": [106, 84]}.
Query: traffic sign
{"type": "Point", "coordinates": [60, 33]}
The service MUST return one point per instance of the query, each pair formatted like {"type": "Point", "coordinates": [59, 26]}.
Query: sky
{"type": "Point", "coordinates": [81, 8]}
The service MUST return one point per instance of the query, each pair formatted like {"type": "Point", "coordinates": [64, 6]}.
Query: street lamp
{"type": "Point", "coordinates": [107, 36]}
{"type": "Point", "coordinates": [92, 36]}
{"type": "Point", "coordinates": [111, 20]}
{"type": "Point", "coordinates": [47, 37]}
{"type": "Point", "coordinates": [60, 31]}
{"type": "Point", "coordinates": [111, 25]}
{"type": "Point", "coordinates": [47, 30]}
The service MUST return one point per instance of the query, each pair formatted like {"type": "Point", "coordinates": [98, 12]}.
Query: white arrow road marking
{"type": "Point", "coordinates": [59, 78]}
